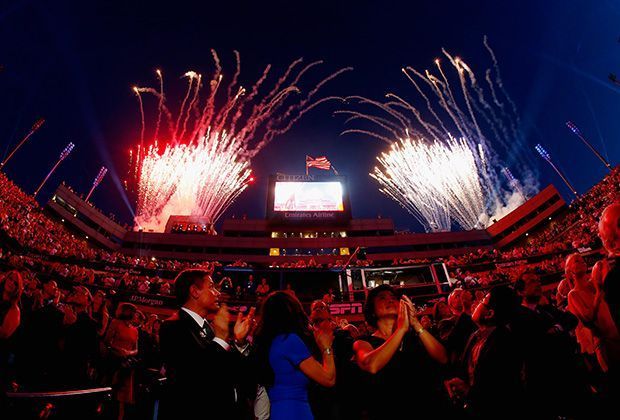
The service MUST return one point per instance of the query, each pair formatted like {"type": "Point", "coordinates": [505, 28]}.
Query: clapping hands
{"type": "Point", "coordinates": [599, 272]}
{"type": "Point", "coordinates": [243, 325]}
{"type": "Point", "coordinates": [410, 312]}
{"type": "Point", "coordinates": [324, 336]}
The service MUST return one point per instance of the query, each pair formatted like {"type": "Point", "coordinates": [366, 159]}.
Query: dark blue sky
{"type": "Point", "coordinates": [73, 63]}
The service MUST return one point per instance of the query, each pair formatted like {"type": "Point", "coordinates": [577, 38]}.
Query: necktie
{"type": "Point", "coordinates": [207, 330]}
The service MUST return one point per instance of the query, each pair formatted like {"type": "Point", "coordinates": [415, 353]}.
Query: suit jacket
{"type": "Point", "coordinates": [202, 377]}
{"type": "Point", "coordinates": [611, 287]}
{"type": "Point", "coordinates": [496, 386]}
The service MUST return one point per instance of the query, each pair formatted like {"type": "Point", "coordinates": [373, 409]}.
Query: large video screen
{"type": "Point", "coordinates": [308, 196]}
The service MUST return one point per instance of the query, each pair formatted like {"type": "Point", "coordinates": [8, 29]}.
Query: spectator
{"type": "Point", "coordinates": [122, 343]}
{"type": "Point", "coordinates": [195, 351]}
{"type": "Point", "coordinates": [284, 347]}
{"type": "Point", "coordinates": [462, 326]}
{"type": "Point", "coordinates": [609, 231]}
{"type": "Point", "coordinates": [99, 312]}
{"type": "Point", "coordinates": [250, 285]}
{"type": "Point", "coordinates": [554, 379]}
{"type": "Point", "coordinates": [11, 287]}
{"type": "Point", "coordinates": [392, 352]}
{"type": "Point", "coordinates": [340, 401]}
{"type": "Point", "coordinates": [81, 344]}
{"type": "Point", "coordinates": [226, 286]}
{"type": "Point", "coordinates": [41, 340]}
{"type": "Point", "coordinates": [491, 382]}
{"type": "Point", "coordinates": [289, 289]}
{"type": "Point", "coordinates": [263, 289]}
{"type": "Point", "coordinates": [10, 291]}
{"type": "Point", "coordinates": [239, 292]}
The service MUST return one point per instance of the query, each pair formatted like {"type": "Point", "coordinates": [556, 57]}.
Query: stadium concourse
{"type": "Point", "coordinates": [77, 316]}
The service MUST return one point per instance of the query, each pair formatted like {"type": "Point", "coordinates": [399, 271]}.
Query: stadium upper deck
{"type": "Point", "coordinates": [259, 241]}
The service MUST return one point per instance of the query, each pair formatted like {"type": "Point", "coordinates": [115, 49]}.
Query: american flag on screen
{"type": "Point", "coordinates": [320, 162]}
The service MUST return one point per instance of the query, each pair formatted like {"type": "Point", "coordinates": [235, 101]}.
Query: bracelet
{"type": "Point", "coordinates": [328, 351]}
{"type": "Point", "coordinates": [420, 331]}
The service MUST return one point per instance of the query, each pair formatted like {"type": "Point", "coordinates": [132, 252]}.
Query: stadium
{"type": "Point", "coordinates": [328, 257]}
{"type": "Point", "coordinates": [420, 279]}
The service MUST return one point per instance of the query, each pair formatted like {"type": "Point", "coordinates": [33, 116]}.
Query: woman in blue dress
{"type": "Point", "coordinates": [284, 349]}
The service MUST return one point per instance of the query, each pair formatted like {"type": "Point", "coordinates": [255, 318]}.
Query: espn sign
{"type": "Point", "coordinates": [346, 308]}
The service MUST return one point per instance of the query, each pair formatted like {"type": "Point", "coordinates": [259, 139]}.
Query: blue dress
{"type": "Point", "coordinates": [289, 393]}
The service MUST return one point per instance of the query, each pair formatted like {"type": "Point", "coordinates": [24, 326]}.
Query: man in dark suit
{"type": "Point", "coordinates": [606, 280]}
{"type": "Point", "coordinates": [203, 370]}
{"type": "Point", "coordinates": [490, 384]}
{"type": "Point", "coordinates": [609, 232]}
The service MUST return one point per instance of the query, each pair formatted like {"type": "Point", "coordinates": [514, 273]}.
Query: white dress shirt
{"type": "Point", "coordinates": [201, 322]}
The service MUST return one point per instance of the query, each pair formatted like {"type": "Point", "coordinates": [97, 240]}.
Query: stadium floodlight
{"type": "Point", "coordinates": [63, 155]}
{"type": "Point", "coordinates": [102, 172]}
{"type": "Point", "coordinates": [542, 152]}
{"type": "Point", "coordinates": [545, 155]}
{"type": "Point", "coordinates": [572, 127]}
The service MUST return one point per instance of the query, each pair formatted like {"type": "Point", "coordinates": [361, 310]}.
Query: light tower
{"type": "Point", "coordinates": [572, 127]}
{"type": "Point", "coordinates": [545, 155]}
{"type": "Point", "coordinates": [38, 123]}
{"type": "Point", "coordinates": [63, 155]}
{"type": "Point", "coordinates": [97, 181]}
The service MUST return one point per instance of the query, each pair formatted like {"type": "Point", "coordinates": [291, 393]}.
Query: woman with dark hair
{"type": "Point", "coordinates": [122, 342]}
{"type": "Point", "coordinates": [284, 356]}
{"type": "Point", "coordinates": [11, 287]}
{"type": "Point", "coordinates": [442, 319]}
{"type": "Point", "coordinates": [394, 353]}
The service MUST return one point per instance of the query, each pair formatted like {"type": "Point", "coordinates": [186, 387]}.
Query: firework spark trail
{"type": "Point", "coordinates": [430, 128]}
{"type": "Point", "coordinates": [514, 121]}
{"type": "Point", "coordinates": [491, 185]}
{"type": "Point", "coordinates": [442, 101]}
{"type": "Point", "coordinates": [142, 118]}
{"type": "Point", "coordinates": [466, 95]}
{"type": "Point", "coordinates": [381, 122]}
{"type": "Point", "coordinates": [190, 76]}
{"type": "Point", "coordinates": [444, 94]}
{"type": "Point", "coordinates": [191, 106]}
{"type": "Point", "coordinates": [428, 102]}
{"type": "Point", "coordinates": [472, 192]}
{"type": "Point", "coordinates": [203, 162]}
{"type": "Point", "coordinates": [254, 92]}
{"type": "Point", "coordinates": [498, 77]}
{"type": "Point", "coordinates": [160, 103]}
{"type": "Point", "coordinates": [493, 121]}
{"type": "Point", "coordinates": [445, 79]}
{"type": "Point", "coordinates": [402, 119]}
{"type": "Point", "coordinates": [301, 108]}
{"type": "Point", "coordinates": [388, 140]}
{"type": "Point", "coordinates": [414, 173]}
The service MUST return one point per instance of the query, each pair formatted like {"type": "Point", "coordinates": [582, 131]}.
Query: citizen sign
{"type": "Point", "coordinates": [293, 178]}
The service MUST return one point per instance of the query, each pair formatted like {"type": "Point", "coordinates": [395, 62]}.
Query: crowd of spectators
{"type": "Point", "coordinates": [554, 353]}
{"type": "Point", "coordinates": [476, 353]}
{"type": "Point", "coordinates": [22, 219]}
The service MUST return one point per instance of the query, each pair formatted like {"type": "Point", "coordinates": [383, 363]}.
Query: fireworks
{"type": "Point", "coordinates": [436, 177]}
{"type": "Point", "coordinates": [415, 174]}
{"type": "Point", "coordinates": [198, 162]}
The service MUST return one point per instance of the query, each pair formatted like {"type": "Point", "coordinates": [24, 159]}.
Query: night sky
{"type": "Point", "coordinates": [73, 63]}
